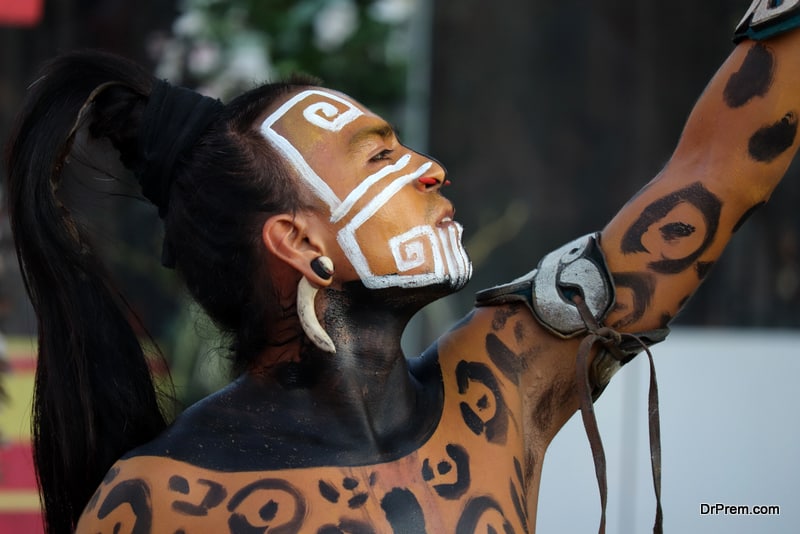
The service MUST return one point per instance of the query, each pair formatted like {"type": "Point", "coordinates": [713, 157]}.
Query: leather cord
{"type": "Point", "coordinates": [610, 340]}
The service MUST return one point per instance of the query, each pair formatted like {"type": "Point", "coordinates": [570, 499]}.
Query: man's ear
{"type": "Point", "coordinates": [291, 239]}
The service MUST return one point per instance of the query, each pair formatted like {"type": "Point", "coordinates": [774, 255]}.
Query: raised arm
{"type": "Point", "coordinates": [735, 148]}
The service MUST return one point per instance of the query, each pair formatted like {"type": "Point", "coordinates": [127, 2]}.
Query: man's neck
{"type": "Point", "coordinates": [366, 385]}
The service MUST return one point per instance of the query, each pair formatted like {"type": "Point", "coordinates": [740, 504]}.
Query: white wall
{"type": "Point", "coordinates": [730, 435]}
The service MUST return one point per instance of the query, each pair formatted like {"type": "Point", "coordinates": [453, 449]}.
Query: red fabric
{"type": "Point", "coordinates": [16, 467]}
{"type": "Point", "coordinates": [21, 12]}
{"type": "Point", "coordinates": [19, 523]}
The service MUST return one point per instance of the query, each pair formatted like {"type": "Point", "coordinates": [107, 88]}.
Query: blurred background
{"type": "Point", "coordinates": [548, 117]}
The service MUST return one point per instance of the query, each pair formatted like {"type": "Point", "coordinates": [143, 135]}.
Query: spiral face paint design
{"type": "Point", "coordinates": [423, 255]}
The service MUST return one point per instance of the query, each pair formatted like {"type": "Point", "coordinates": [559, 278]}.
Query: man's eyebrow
{"type": "Point", "coordinates": [384, 131]}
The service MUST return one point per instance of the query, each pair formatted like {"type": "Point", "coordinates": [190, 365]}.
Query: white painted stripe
{"type": "Point", "coordinates": [384, 196]}
{"type": "Point", "coordinates": [368, 182]}
{"type": "Point", "coordinates": [290, 152]}
{"type": "Point", "coordinates": [307, 174]}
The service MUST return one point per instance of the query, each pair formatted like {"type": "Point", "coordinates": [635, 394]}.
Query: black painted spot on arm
{"type": "Point", "coordinates": [268, 511]}
{"type": "Point", "coordinates": [504, 358]}
{"type": "Point", "coordinates": [496, 428]}
{"type": "Point", "coordinates": [471, 419]}
{"type": "Point", "coordinates": [696, 195]}
{"type": "Point", "coordinates": [519, 506]}
{"type": "Point", "coordinates": [427, 472]}
{"type": "Point", "coordinates": [754, 77]}
{"type": "Point", "coordinates": [444, 467]}
{"type": "Point", "coordinates": [475, 509]}
{"type": "Point", "coordinates": [518, 471]}
{"type": "Point", "coordinates": [703, 268]}
{"type": "Point", "coordinates": [501, 316]}
{"type": "Point", "coordinates": [746, 216]}
{"type": "Point", "coordinates": [773, 140]}
{"type": "Point", "coordinates": [641, 286]}
{"type": "Point", "coordinates": [518, 498]}
{"type": "Point", "coordinates": [456, 489]}
{"type": "Point", "coordinates": [676, 230]}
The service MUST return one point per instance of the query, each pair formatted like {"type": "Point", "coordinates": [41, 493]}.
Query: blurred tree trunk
{"type": "Point", "coordinates": [573, 107]}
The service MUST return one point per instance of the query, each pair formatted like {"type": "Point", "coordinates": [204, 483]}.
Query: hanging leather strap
{"type": "Point", "coordinates": [610, 340]}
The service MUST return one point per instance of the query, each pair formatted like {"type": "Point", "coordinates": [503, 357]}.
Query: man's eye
{"type": "Point", "coordinates": [382, 155]}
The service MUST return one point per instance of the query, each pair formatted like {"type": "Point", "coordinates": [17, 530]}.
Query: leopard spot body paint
{"type": "Point", "coordinates": [753, 79]}
{"type": "Point", "coordinates": [771, 141]}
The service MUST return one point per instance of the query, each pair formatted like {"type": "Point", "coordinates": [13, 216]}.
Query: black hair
{"type": "Point", "coordinates": [94, 395]}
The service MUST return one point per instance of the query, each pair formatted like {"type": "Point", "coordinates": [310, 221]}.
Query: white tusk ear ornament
{"type": "Point", "coordinates": [307, 313]}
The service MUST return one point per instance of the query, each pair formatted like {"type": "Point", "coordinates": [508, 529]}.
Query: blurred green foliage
{"type": "Point", "coordinates": [357, 46]}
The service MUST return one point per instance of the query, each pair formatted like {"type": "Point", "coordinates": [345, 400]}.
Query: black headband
{"type": "Point", "coordinates": [174, 119]}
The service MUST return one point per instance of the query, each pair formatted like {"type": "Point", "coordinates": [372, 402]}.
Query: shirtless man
{"type": "Point", "coordinates": [330, 428]}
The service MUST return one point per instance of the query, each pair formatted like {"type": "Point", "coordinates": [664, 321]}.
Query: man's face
{"type": "Point", "coordinates": [383, 199]}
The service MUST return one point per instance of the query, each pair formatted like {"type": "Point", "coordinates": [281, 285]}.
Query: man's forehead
{"type": "Point", "coordinates": [314, 109]}
{"type": "Point", "coordinates": [305, 121]}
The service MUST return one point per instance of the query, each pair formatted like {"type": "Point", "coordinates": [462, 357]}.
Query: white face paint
{"type": "Point", "coordinates": [316, 122]}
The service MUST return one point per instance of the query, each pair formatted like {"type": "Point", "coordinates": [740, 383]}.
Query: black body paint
{"type": "Point", "coordinates": [495, 428]}
{"type": "Point", "coordinates": [214, 495]}
{"type": "Point", "coordinates": [703, 268]}
{"type": "Point", "coordinates": [263, 417]}
{"type": "Point", "coordinates": [347, 526]}
{"type": "Point", "coordinates": [676, 230]}
{"type": "Point", "coordinates": [239, 524]}
{"type": "Point", "coordinates": [753, 79]}
{"type": "Point", "coordinates": [708, 205]}
{"type": "Point", "coordinates": [518, 497]}
{"type": "Point", "coordinates": [504, 358]}
{"type": "Point", "coordinates": [771, 141]}
{"type": "Point", "coordinates": [455, 489]}
{"type": "Point", "coordinates": [135, 494]}
{"type": "Point", "coordinates": [403, 511]}
{"type": "Point", "coordinates": [107, 479]}
{"type": "Point", "coordinates": [475, 510]}
{"type": "Point", "coordinates": [642, 286]}
{"type": "Point", "coordinates": [329, 492]}
{"type": "Point", "coordinates": [501, 316]}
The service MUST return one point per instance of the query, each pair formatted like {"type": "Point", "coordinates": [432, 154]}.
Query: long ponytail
{"type": "Point", "coordinates": [94, 395]}
{"type": "Point", "coordinates": [214, 179]}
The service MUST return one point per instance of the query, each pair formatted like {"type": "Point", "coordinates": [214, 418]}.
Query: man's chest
{"type": "Point", "coordinates": [445, 486]}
